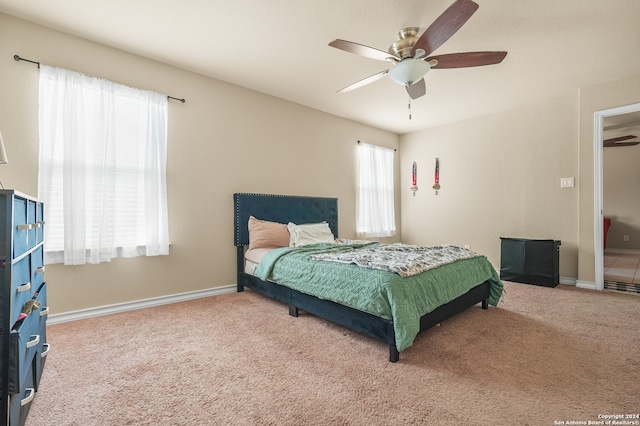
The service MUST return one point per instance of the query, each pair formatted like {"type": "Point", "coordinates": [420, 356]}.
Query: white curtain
{"type": "Point", "coordinates": [376, 206]}
{"type": "Point", "coordinates": [102, 169]}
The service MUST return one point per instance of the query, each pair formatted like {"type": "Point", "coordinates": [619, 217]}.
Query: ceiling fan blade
{"type": "Point", "coordinates": [467, 59]}
{"type": "Point", "coordinates": [362, 50]}
{"type": "Point", "coordinates": [445, 26]}
{"type": "Point", "coordinates": [619, 141]}
{"type": "Point", "coordinates": [417, 89]}
{"type": "Point", "coordinates": [613, 145]}
{"type": "Point", "coordinates": [364, 81]}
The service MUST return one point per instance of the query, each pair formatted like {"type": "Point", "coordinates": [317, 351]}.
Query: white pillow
{"type": "Point", "coordinates": [310, 233]}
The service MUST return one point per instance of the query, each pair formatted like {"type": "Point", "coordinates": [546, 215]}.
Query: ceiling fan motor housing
{"type": "Point", "coordinates": [407, 38]}
{"type": "Point", "coordinates": [409, 70]}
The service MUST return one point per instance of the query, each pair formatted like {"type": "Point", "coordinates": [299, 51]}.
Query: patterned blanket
{"type": "Point", "coordinates": [405, 260]}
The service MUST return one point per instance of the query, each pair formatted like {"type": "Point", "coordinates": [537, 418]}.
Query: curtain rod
{"type": "Point", "coordinates": [18, 59]}
{"type": "Point", "coordinates": [389, 148]}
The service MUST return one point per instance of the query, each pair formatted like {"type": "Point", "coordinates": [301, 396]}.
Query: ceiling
{"type": "Point", "coordinates": [280, 47]}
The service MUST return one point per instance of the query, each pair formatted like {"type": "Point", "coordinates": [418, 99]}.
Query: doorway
{"type": "Point", "coordinates": [625, 119]}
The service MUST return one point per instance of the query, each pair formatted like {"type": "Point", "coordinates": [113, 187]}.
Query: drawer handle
{"type": "Point", "coordinates": [24, 287]}
{"type": "Point", "coordinates": [35, 339]}
{"type": "Point", "coordinates": [39, 269]}
{"type": "Point", "coordinates": [25, 226]}
{"type": "Point", "coordinates": [31, 392]}
{"type": "Point", "coordinates": [44, 312]}
{"type": "Point", "coordinates": [45, 350]}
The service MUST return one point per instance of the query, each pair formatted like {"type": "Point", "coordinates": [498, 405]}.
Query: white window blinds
{"type": "Point", "coordinates": [376, 206]}
{"type": "Point", "coordinates": [102, 169]}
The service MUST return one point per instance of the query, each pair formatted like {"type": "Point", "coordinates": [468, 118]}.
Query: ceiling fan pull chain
{"type": "Point", "coordinates": [409, 107]}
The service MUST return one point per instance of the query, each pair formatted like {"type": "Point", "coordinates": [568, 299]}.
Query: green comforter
{"type": "Point", "coordinates": [380, 293]}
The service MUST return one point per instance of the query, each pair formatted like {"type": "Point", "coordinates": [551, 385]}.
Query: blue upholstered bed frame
{"type": "Point", "coordinates": [298, 209]}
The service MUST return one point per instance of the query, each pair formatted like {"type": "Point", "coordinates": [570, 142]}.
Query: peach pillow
{"type": "Point", "coordinates": [265, 234]}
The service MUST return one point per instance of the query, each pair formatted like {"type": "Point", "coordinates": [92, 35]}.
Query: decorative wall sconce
{"type": "Point", "coordinates": [414, 178]}
{"type": "Point", "coordinates": [436, 185]}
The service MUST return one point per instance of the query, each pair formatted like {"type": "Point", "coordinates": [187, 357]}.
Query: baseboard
{"type": "Point", "coordinates": [586, 284]}
{"type": "Point", "coordinates": [619, 250]}
{"type": "Point", "coordinates": [138, 304]}
{"type": "Point", "coordinates": [181, 297]}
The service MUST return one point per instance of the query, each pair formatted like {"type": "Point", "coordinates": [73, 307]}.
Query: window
{"type": "Point", "coordinates": [102, 169]}
{"type": "Point", "coordinates": [376, 212]}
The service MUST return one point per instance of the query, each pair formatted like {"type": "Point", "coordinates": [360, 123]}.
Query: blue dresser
{"type": "Point", "coordinates": [23, 304]}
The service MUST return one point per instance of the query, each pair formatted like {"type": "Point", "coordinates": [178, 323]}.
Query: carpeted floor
{"type": "Point", "coordinates": [544, 356]}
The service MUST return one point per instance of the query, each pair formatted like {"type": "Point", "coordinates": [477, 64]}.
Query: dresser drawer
{"type": "Point", "coordinates": [27, 276]}
{"type": "Point", "coordinates": [28, 217]}
{"type": "Point", "coordinates": [19, 403]}
{"type": "Point", "coordinates": [39, 223]}
{"type": "Point", "coordinates": [25, 343]}
{"type": "Point", "coordinates": [21, 286]}
{"type": "Point", "coordinates": [37, 268]}
{"type": "Point", "coordinates": [42, 312]}
{"type": "Point", "coordinates": [31, 224]}
{"type": "Point", "coordinates": [43, 347]}
{"type": "Point", "coordinates": [20, 223]}
{"type": "Point", "coordinates": [40, 359]}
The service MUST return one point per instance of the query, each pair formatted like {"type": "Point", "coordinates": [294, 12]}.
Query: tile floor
{"type": "Point", "coordinates": [622, 271]}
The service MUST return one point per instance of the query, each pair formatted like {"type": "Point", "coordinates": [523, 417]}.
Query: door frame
{"type": "Point", "coordinates": [598, 177]}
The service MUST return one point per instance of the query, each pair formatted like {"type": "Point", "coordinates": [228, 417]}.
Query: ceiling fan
{"type": "Point", "coordinates": [410, 54]}
{"type": "Point", "coordinates": [620, 141]}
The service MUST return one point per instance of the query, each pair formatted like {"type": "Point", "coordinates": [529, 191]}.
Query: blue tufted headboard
{"type": "Point", "coordinates": [283, 209]}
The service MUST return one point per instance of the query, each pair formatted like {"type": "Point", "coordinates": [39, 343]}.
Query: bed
{"type": "Point", "coordinates": [380, 326]}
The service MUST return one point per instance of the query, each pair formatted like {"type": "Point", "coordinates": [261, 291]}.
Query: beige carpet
{"type": "Point", "coordinates": [543, 355]}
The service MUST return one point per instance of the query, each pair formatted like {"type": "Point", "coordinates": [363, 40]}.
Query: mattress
{"type": "Point", "coordinates": [252, 258]}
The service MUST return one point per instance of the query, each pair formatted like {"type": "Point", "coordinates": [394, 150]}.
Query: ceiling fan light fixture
{"type": "Point", "coordinates": [409, 71]}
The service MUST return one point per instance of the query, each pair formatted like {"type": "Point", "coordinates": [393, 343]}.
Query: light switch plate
{"type": "Point", "coordinates": [566, 182]}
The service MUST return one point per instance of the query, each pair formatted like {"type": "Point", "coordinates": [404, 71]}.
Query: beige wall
{"type": "Point", "coordinates": [500, 177]}
{"type": "Point", "coordinates": [592, 99]}
{"type": "Point", "coordinates": [621, 196]}
{"type": "Point", "coordinates": [224, 139]}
